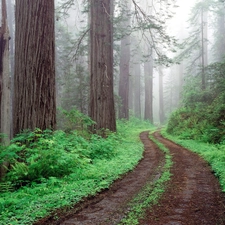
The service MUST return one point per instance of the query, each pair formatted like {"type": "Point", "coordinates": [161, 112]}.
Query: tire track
{"type": "Point", "coordinates": [194, 196]}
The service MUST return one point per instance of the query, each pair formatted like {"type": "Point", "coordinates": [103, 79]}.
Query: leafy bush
{"type": "Point", "coordinates": [43, 154]}
{"type": "Point", "coordinates": [39, 155]}
{"type": "Point", "coordinates": [28, 204]}
{"type": "Point", "coordinates": [103, 147]}
{"type": "Point", "coordinates": [202, 116]}
{"type": "Point", "coordinates": [73, 120]}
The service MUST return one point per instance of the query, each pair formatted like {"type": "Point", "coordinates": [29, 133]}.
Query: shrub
{"type": "Point", "coordinates": [43, 154]}
{"type": "Point", "coordinates": [74, 120]}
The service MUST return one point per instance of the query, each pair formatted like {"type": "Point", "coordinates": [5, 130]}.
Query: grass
{"type": "Point", "coordinates": [30, 203]}
{"type": "Point", "coordinates": [213, 154]}
{"type": "Point", "coordinates": [151, 193]}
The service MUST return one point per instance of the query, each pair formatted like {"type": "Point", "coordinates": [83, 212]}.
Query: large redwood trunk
{"type": "Point", "coordinates": [101, 87]}
{"type": "Point", "coordinates": [5, 124]}
{"type": "Point", "coordinates": [34, 94]}
{"type": "Point", "coordinates": [4, 77]}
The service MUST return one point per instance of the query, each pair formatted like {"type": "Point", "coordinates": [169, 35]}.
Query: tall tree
{"type": "Point", "coordinates": [4, 76]}
{"type": "Point", "coordinates": [4, 83]}
{"type": "Point", "coordinates": [137, 90]}
{"type": "Point", "coordinates": [131, 93]}
{"type": "Point", "coordinates": [102, 109]}
{"type": "Point", "coordinates": [220, 32]}
{"type": "Point", "coordinates": [124, 65]}
{"type": "Point", "coordinates": [204, 41]}
{"type": "Point", "coordinates": [148, 71]}
{"type": "Point", "coordinates": [161, 101]}
{"type": "Point", "coordinates": [34, 86]}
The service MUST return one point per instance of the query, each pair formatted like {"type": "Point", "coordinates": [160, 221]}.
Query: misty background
{"type": "Point", "coordinates": [183, 38]}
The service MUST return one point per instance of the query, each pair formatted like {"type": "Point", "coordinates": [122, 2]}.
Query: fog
{"type": "Point", "coordinates": [172, 36]}
{"type": "Point", "coordinates": [173, 18]}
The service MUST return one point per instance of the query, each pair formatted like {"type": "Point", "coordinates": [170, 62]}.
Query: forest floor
{"type": "Point", "coordinates": [192, 196]}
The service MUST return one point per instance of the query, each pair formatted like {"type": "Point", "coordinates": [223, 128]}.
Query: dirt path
{"type": "Point", "coordinates": [108, 207]}
{"type": "Point", "coordinates": [193, 195]}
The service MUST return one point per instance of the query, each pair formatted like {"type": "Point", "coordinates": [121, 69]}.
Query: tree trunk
{"type": "Point", "coordinates": [34, 83]}
{"type": "Point", "coordinates": [181, 80]}
{"type": "Point", "coordinates": [131, 93]}
{"type": "Point", "coordinates": [11, 19]}
{"type": "Point", "coordinates": [161, 102]}
{"type": "Point", "coordinates": [137, 90]}
{"type": "Point", "coordinates": [124, 68]}
{"type": "Point", "coordinates": [102, 109]}
{"type": "Point", "coordinates": [124, 78]}
{"type": "Point", "coordinates": [221, 36]}
{"type": "Point", "coordinates": [5, 77]}
{"type": "Point", "coordinates": [4, 84]}
{"type": "Point", "coordinates": [148, 70]}
{"type": "Point", "coordinates": [11, 13]}
{"type": "Point", "coordinates": [204, 36]}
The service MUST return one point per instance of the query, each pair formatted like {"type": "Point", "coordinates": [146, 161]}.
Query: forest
{"type": "Point", "coordinates": [88, 86]}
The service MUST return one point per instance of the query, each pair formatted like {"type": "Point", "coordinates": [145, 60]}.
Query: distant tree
{"type": "Point", "coordinates": [204, 43]}
{"type": "Point", "coordinates": [161, 99]}
{"type": "Point", "coordinates": [137, 89]}
{"type": "Point", "coordinates": [196, 44]}
{"type": "Point", "coordinates": [71, 71]}
{"type": "Point", "coordinates": [148, 71]}
{"type": "Point", "coordinates": [219, 32]}
{"type": "Point", "coordinates": [102, 109]}
{"type": "Point", "coordinates": [131, 93]}
{"type": "Point", "coordinates": [34, 86]}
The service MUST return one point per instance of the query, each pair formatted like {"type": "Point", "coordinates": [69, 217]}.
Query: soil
{"type": "Point", "coordinates": [192, 197]}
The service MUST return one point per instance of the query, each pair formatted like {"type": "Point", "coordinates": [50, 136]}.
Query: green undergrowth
{"type": "Point", "coordinates": [72, 167]}
{"type": "Point", "coordinates": [151, 193]}
{"type": "Point", "coordinates": [213, 154]}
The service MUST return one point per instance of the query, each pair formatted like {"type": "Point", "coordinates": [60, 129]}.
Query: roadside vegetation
{"type": "Point", "coordinates": [52, 170]}
{"type": "Point", "coordinates": [199, 123]}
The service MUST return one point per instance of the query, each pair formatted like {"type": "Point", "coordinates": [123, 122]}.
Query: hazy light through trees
{"type": "Point", "coordinates": [168, 33]}
{"type": "Point", "coordinates": [75, 21]}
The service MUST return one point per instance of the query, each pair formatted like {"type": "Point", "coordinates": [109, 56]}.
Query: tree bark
{"type": "Point", "coordinates": [4, 84]}
{"type": "Point", "coordinates": [11, 19]}
{"type": "Point", "coordinates": [5, 77]}
{"type": "Point", "coordinates": [102, 109]}
{"type": "Point", "coordinates": [34, 83]}
{"type": "Point", "coordinates": [10, 9]}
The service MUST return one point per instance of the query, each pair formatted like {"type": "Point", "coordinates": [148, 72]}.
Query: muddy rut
{"type": "Point", "coordinates": [192, 197]}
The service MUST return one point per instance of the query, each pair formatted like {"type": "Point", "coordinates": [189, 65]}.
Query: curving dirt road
{"type": "Point", "coordinates": [193, 195]}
